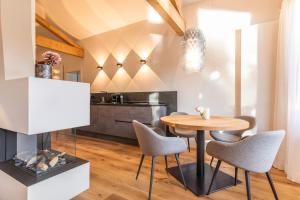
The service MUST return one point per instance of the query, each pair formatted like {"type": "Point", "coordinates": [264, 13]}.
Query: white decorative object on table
{"type": "Point", "coordinates": [204, 112]}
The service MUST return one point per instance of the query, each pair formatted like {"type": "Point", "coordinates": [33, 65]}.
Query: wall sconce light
{"type": "Point", "coordinates": [100, 67]}
{"type": "Point", "coordinates": [143, 62]}
{"type": "Point", "coordinates": [119, 65]}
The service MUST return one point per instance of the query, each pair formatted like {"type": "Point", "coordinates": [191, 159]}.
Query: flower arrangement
{"type": "Point", "coordinates": [204, 112]}
{"type": "Point", "coordinates": [51, 58]}
{"type": "Point", "coordinates": [43, 69]}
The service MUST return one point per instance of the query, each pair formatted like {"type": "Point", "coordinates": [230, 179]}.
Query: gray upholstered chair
{"type": "Point", "coordinates": [183, 132]}
{"type": "Point", "coordinates": [253, 154]}
{"type": "Point", "coordinates": [153, 144]}
{"type": "Point", "coordinates": [158, 130]}
{"type": "Point", "coordinates": [232, 136]}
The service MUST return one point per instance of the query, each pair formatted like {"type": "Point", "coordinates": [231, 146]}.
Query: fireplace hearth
{"type": "Point", "coordinates": [29, 178]}
{"type": "Point", "coordinates": [41, 163]}
{"type": "Point", "coordinates": [33, 154]}
{"type": "Point", "coordinates": [32, 168]}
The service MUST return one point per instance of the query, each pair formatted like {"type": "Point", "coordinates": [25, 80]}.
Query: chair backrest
{"type": "Point", "coordinates": [150, 142]}
{"type": "Point", "coordinates": [252, 124]}
{"type": "Point", "coordinates": [258, 152]}
{"type": "Point", "coordinates": [250, 119]}
{"type": "Point", "coordinates": [172, 129]}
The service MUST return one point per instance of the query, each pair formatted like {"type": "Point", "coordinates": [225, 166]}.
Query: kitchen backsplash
{"type": "Point", "coordinates": [167, 97]}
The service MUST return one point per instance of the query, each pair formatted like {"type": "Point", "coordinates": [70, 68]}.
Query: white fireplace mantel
{"type": "Point", "coordinates": [34, 105]}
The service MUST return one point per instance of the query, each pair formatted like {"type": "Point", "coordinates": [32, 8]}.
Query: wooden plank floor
{"type": "Point", "coordinates": [114, 165]}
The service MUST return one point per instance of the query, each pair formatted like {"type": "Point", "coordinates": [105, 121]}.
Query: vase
{"type": "Point", "coordinates": [43, 71]}
{"type": "Point", "coordinates": [206, 114]}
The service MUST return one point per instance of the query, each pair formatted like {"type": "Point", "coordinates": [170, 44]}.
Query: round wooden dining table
{"type": "Point", "coordinates": [198, 175]}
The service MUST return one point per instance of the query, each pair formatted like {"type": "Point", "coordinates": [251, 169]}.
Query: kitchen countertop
{"type": "Point", "coordinates": [129, 104]}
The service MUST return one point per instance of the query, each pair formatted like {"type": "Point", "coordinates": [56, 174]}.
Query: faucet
{"type": "Point", "coordinates": [103, 98]}
{"type": "Point", "coordinates": [121, 98]}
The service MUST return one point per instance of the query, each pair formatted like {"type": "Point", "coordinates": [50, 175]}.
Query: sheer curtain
{"type": "Point", "coordinates": [287, 91]}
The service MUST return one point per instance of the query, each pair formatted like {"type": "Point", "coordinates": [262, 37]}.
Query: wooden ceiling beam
{"type": "Point", "coordinates": [177, 5]}
{"type": "Point", "coordinates": [55, 31]}
{"type": "Point", "coordinates": [169, 13]}
{"type": "Point", "coordinates": [58, 46]}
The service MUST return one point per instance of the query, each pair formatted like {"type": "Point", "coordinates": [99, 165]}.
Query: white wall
{"type": "Point", "coordinates": [259, 49]}
{"type": "Point", "coordinates": [17, 51]}
{"type": "Point", "coordinates": [213, 87]}
{"type": "Point", "coordinates": [260, 10]}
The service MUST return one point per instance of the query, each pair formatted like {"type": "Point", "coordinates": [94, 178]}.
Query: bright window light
{"type": "Point", "coordinates": [215, 75]}
{"type": "Point", "coordinates": [153, 16]}
{"type": "Point", "coordinates": [208, 19]}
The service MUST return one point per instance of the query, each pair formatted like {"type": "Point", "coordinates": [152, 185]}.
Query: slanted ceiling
{"type": "Point", "coordinates": [85, 18]}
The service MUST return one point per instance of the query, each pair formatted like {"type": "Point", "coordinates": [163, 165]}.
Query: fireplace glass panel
{"type": "Point", "coordinates": [45, 152]}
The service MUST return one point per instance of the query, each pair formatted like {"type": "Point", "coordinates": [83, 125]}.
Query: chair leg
{"type": "Point", "coordinates": [248, 186]}
{"type": "Point", "coordinates": [214, 176]}
{"type": "Point", "coordinates": [139, 169]}
{"type": "Point", "coordinates": [211, 161]}
{"type": "Point", "coordinates": [189, 146]}
{"type": "Point", "coordinates": [236, 175]}
{"type": "Point", "coordinates": [166, 161]}
{"type": "Point", "coordinates": [272, 185]}
{"type": "Point", "coordinates": [151, 176]}
{"type": "Point", "coordinates": [179, 166]}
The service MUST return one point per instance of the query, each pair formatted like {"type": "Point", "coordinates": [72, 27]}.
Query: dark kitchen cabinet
{"type": "Point", "coordinates": [116, 120]}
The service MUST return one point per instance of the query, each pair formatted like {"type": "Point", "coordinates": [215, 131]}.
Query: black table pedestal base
{"type": "Point", "coordinates": [199, 185]}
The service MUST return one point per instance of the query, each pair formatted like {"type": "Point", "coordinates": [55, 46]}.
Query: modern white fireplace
{"type": "Point", "coordinates": [30, 109]}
